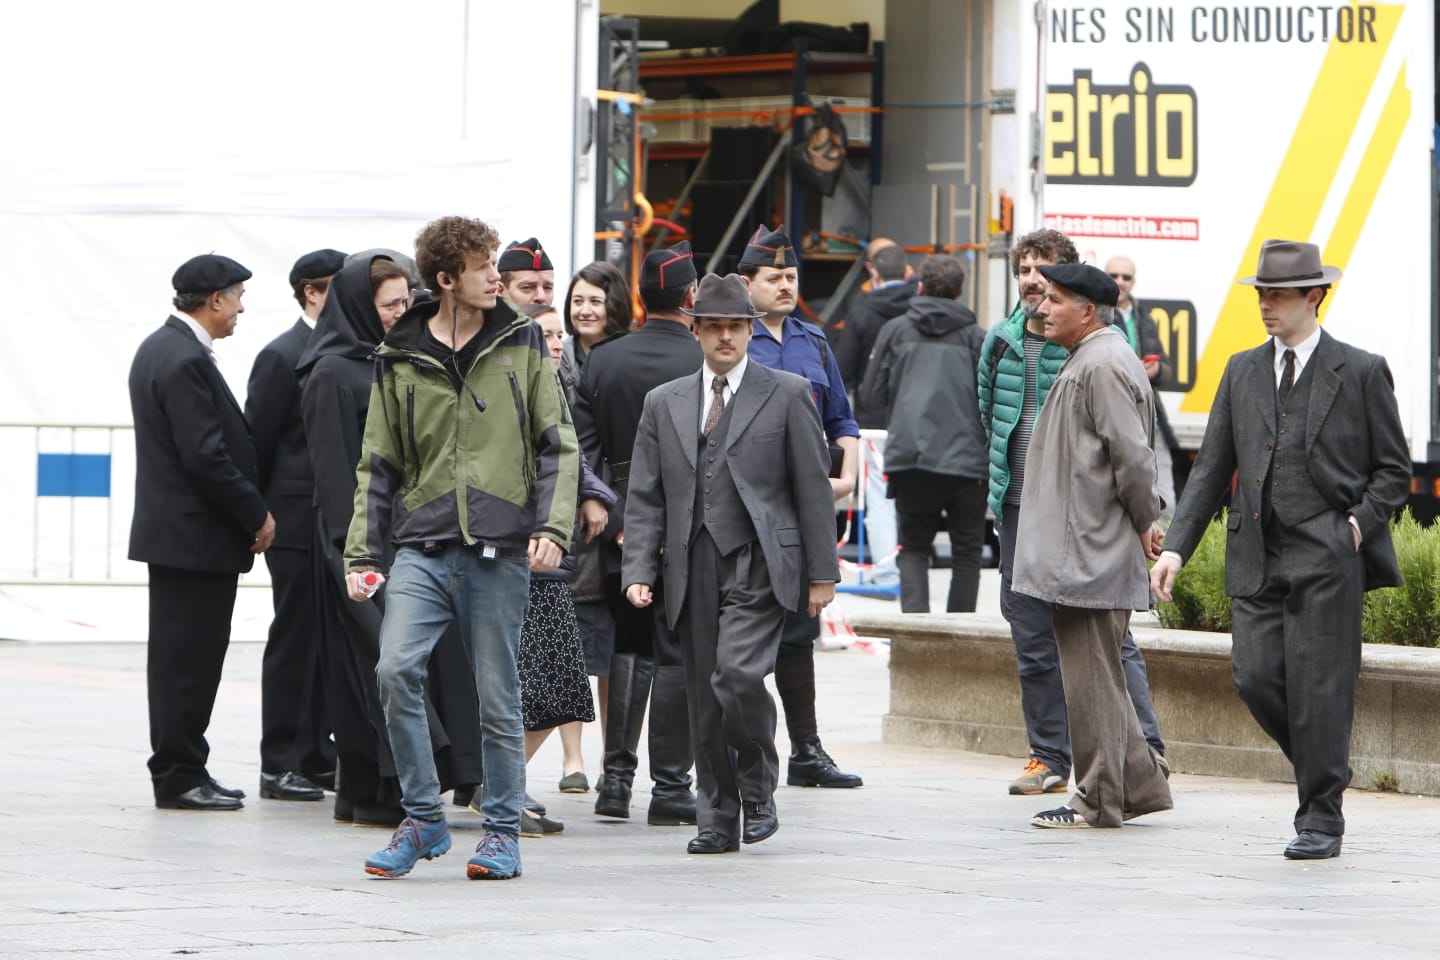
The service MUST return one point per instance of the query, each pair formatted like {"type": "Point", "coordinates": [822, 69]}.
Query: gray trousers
{"type": "Point", "coordinates": [1117, 775]}
{"type": "Point", "coordinates": [1296, 657]}
{"type": "Point", "coordinates": [730, 631]}
{"type": "Point", "coordinates": [1042, 690]}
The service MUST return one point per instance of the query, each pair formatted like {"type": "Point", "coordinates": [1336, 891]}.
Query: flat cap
{"type": "Point", "coordinates": [207, 273]}
{"type": "Point", "coordinates": [769, 249]}
{"type": "Point", "coordinates": [524, 255]}
{"type": "Point", "coordinates": [1092, 283]}
{"type": "Point", "coordinates": [668, 269]}
{"type": "Point", "coordinates": [317, 264]}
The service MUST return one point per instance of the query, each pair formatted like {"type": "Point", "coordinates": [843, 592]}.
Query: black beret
{"type": "Point", "coordinates": [317, 264]}
{"type": "Point", "coordinates": [668, 269]}
{"type": "Point", "coordinates": [207, 273]}
{"type": "Point", "coordinates": [1092, 283]}
{"type": "Point", "coordinates": [772, 249]}
{"type": "Point", "coordinates": [524, 255]}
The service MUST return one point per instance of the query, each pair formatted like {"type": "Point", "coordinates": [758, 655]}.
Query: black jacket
{"type": "Point", "coordinates": [197, 496]}
{"type": "Point", "coordinates": [922, 375]}
{"type": "Point", "coordinates": [867, 318]}
{"type": "Point", "coordinates": [610, 397]}
{"type": "Point", "coordinates": [272, 406]}
{"type": "Point", "coordinates": [1150, 346]}
{"type": "Point", "coordinates": [335, 373]}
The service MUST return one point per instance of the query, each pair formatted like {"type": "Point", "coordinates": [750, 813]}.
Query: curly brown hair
{"type": "Point", "coordinates": [443, 245]}
{"type": "Point", "coordinates": [1050, 245]}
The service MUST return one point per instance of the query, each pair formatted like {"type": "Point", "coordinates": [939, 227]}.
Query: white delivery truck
{"type": "Point", "coordinates": [1183, 135]}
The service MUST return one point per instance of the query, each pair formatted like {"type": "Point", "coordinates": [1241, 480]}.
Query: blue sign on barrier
{"type": "Point", "coordinates": [73, 475]}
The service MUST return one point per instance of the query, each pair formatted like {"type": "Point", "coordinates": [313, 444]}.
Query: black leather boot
{"type": "Point", "coordinates": [811, 766]}
{"type": "Point", "coordinates": [672, 752]}
{"type": "Point", "coordinates": [630, 676]}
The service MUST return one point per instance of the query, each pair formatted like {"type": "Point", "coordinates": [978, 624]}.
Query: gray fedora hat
{"type": "Point", "coordinates": [724, 297]}
{"type": "Point", "coordinates": [1290, 263]}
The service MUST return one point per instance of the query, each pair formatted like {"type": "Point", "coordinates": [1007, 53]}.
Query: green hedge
{"type": "Point", "coordinates": [1408, 615]}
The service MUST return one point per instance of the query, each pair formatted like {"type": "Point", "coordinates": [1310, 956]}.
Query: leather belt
{"type": "Point", "coordinates": [619, 470]}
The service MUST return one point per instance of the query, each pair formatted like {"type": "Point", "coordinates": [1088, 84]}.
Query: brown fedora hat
{"type": "Point", "coordinates": [1290, 263]}
{"type": "Point", "coordinates": [724, 297]}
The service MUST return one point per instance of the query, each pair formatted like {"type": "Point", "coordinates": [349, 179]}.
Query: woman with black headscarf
{"type": "Point", "coordinates": [336, 372]}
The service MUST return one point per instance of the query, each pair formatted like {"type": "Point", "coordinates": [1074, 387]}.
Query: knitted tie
{"type": "Point", "coordinates": [717, 406]}
{"type": "Point", "coordinates": [1287, 380]}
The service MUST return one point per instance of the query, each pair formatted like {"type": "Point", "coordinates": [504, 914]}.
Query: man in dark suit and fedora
{"type": "Point", "coordinates": [199, 521]}
{"type": "Point", "coordinates": [730, 495]}
{"type": "Point", "coordinates": [294, 740]}
{"type": "Point", "coordinates": [1311, 426]}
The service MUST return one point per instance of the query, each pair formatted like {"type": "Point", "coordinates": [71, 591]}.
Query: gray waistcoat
{"type": "Point", "coordinates": [718, 507]}
{"type": "Point", "coordinates": [1290, 494]}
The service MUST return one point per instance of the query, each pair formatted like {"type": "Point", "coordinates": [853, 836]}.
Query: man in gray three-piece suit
{"type": "Point", "coordinates": [1311, 426]}
{"type": "Point", "coordinates": [733, 498]}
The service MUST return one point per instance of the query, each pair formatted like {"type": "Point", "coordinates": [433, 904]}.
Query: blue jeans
{"type": "Point", "coordinates": [486, 599]}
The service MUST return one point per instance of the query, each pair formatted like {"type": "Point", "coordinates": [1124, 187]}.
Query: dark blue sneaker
{"type": "Point", "coordinates": [412, 840]}
{"type": "Point", "coordinates": [497, 858]}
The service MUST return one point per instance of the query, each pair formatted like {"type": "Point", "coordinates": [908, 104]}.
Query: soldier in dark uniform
{"type": "Point", "coordinates": [646, 663]}
{"type": "Point", "coordinates": [781, 340]}
{"type": "Point", "coordinates": [296, 755]}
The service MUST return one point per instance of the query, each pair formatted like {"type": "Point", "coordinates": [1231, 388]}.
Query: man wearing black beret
{"type": "Point", "coordinates": [526, 273]}
{"type": "Point", "coordinates": [1088, 517]}
{"type": "Point", "coordinates": [296, 756]}
{"type": "Point", "coordinates": [199, 520]}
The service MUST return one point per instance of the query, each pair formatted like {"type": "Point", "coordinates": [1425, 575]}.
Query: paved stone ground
{"type": "Point", "coordinates": [930, 859]}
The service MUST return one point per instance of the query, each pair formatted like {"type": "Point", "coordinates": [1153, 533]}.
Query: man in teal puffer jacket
{"type": "Point", "coordinates": [1017, 368]}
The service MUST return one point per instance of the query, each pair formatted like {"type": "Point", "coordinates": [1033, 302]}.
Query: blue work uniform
{"type": "Point", "coordinates": [805, 351]}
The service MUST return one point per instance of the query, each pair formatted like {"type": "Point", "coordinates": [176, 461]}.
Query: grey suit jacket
{"type": "Point", "coordinates": [1354, 449]}
{"type": "Point", "coordinates": [780, 464]}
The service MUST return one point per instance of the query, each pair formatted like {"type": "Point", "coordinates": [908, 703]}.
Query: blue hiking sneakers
{"type": "Point", "coordinates": [496, 858]}
{"type": "Point", "coordinates": [412, 840]}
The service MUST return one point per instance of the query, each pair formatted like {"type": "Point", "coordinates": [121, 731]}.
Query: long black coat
{"type": "Point", "coordinates": [336, 373]}
{"type": "Point", "coordinates": [272, 406]}
{"type": "Point", "coordinates": [197, 496]}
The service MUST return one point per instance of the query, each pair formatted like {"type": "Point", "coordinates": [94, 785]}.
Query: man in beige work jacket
{"type": "Point", "coordinates": [1087, 524]}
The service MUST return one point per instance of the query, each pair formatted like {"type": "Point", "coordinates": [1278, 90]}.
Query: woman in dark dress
{"type": "Point", "coordinates": [596, 306]}
{"type": "Point", "coordinates": [335, 373]}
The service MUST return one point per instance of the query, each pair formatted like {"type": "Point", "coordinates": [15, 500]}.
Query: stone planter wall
{"type": "Point", "coordinates": [953, 683]}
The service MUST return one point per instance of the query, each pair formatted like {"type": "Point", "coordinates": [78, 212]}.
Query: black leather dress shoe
{"type": "Point", "coordinates": [811, 766]}
{"type": "Point", "coordinates": [1313, 845]}
{"type": "Point", "coordinates": [760, 821]}
{"type": "Point", "coordinates": [671, 811]}
{"type": "Point", "coordinates": [324, 779]}
{"type": "Point", "coordinates": [288, 786]}
{"type": "Point", "coordinates": [234, 793]}
{"type": "Point", "coordinates": [711, 842]}
{"type": "Point", "coordinates": [202, 797]}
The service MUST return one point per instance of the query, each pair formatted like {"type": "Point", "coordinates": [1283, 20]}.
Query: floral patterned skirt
{"type": "Point", "coordinates": [554, 687]}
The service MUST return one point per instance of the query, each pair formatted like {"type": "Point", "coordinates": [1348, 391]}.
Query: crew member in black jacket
{"type": "Point", "coordinates": [646, 664]}
{"type": "Point", "coordinates": [296, 755]}
{"type": "Point", "coordinates": [199, 520]}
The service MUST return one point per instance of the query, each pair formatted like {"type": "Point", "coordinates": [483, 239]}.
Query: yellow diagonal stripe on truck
{"type": "Point", "coordinates": [1378, 154]}
{"type": "Point", "coordinates": [1304, 180]}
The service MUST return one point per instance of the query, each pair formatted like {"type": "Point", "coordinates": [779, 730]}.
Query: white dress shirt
{"type": "Point", "coordinates": [1303, 351]}
{"type": "Point", "coordinates": [732, 380]}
